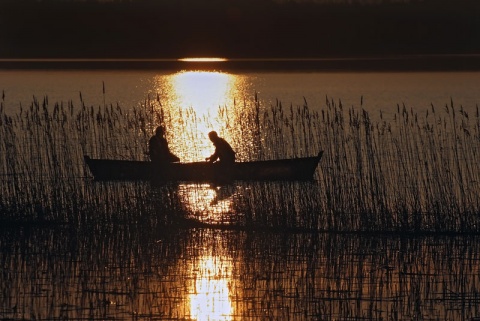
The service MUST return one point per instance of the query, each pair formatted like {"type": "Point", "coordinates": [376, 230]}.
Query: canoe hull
{"type": "Point", "coordinates": [283, 169]}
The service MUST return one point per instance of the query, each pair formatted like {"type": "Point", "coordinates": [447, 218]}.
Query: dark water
{"type": "Point", "coordinates": [144, 272]}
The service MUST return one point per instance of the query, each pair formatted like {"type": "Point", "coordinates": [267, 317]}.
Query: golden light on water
{"type": "Point", "coordinates": [195, 103]}
{"type": "Point", "coordinates": [203, 91]}
{"type": "Point", "coordinates": [210, 298]}
{"type": "Point", "coordinates": [192, 99]}
{"type": "Point", "coordinates": [210, 203]}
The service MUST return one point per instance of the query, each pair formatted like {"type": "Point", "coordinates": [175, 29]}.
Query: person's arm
{"type": "Point", "coordinates": [212, 157]}
{"type": "Point", "coordinates": [174, 158]}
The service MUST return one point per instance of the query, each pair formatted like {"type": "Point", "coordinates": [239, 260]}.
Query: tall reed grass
{"type": "Point", "coordinates": [414, 172]}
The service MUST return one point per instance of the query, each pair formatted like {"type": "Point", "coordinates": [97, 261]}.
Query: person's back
{"type": "Point", "coordinates": [158, 148]}
{"type": "Point", "coordinates": [224, 153]}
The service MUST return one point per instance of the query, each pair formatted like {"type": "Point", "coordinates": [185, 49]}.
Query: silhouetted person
{"type": "Point", "coordinates": [158, 148]}
{"type": "Point", "coordinates": [223, 151]}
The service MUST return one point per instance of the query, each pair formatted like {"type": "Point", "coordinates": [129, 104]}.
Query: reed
{"type": "Point", "coordinates": [415, 172]}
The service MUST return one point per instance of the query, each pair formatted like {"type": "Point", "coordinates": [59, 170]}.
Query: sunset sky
{"type": "Point", "coordinates": [236, 28]}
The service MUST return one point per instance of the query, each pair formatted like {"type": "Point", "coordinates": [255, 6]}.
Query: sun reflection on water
{"type": "Point", "coordinates": [192, 101]}
{"type": "Point", "coordinates": [210, 297]}
{"type": "Point", "coordinates": [203, 59]}
{"type": "Point", "coordinates": [204, 91]}
{"type": "Point", "coordinates": [210, 203]}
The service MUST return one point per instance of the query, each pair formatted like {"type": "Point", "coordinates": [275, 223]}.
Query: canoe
{"type": "Point", "coordinates": [129, 170]}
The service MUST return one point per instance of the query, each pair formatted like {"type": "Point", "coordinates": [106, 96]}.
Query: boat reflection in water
{"type": "Point", "coordinates": [210, 297]}
{"type": "Point", "coordinates": [208, 203]}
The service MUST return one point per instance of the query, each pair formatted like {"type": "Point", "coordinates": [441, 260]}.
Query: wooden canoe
{"type": "Point", "coordinates": [281, 169]}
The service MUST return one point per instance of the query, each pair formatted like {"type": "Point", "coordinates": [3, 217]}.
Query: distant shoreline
{"type": "Point", "coordinates": [467, 62]}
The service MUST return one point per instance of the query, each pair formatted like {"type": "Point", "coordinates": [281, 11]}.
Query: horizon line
{"type": "Point", "coordinates": [226, 59]}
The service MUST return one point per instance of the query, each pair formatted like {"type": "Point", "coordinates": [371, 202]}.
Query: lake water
{"type": "Point", "coordinates": [388, 229]}
{"type": "Point", "coordinates": [204, 89]}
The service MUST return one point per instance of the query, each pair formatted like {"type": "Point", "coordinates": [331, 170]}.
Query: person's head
{"type": "Point", "coordinates": [213, 135]}
{"type": "Point", "coordinates": [159, 131]}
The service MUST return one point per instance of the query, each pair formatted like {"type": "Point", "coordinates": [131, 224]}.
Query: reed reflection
{"type": "Point", "coordinates": [210, 293]}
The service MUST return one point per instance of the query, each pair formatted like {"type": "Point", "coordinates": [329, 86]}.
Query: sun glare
{"type": "Point", "coordinates": [204, 91]}
{"type": "Point", "coordinates": [209, 59]}
{"type": "Point", "coordinates": [193, 99]}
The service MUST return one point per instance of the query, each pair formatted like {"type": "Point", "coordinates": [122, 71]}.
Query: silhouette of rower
{"type": "Point", "coordinates": [223, 151]}
{"type": "Point", "coordinates": [158, 148]}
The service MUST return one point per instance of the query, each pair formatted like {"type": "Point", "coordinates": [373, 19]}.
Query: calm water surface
{"type": "Point", "coordinates": [203, 89]}
{"type": "Point", "coordinates": [132, 252]}
{"type": "Point", "coordinates": [151, 273]}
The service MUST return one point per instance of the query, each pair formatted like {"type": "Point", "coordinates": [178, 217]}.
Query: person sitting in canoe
{"type": "Point", "coordinates": [223, 151]}
{"type": "Point", "coordinates": [158, 148]}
